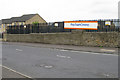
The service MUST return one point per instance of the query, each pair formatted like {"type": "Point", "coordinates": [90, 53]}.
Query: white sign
{"type": "Point", "coordinates": [88, 25]}
{"type": "Point", "coordinates": [56, 24]}
{"type": "Point", "coordinates": [25, 26]}
{"type": "Point", "coordinates": [107, 23]}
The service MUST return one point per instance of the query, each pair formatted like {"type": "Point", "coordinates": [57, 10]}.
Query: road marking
{"type": "Point", "coordinates": [106, 75]}
{"type": "Point", "coordinates": [64, 50]}
{"type": "Point", "coordinates": [101, 54]}
{"type": "Point", "coordinates": [107, 50]}
{"type": "Point", "coordinates": [95, 53]}
{"type": "Point", "coordinates": [19, 50]}
{"type": "Point", "coordinates": [63, 56]}
{"type": "Point", "coordinates": [110, 54]}
{"type": "Point", "coordinates": [75, 51]}
{"type": "Point", "coordinates": [16, 72]}
{"type": "Point", "coordinates": [89, 53]}
{"type": "Point", "coordinates": [48, 67]}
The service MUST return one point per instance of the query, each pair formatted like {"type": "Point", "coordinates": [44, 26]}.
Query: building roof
{"type": "Point", "coordinates": [18, 19]}
{"type": "Point", "coordinates": [27, 17]}
{"type": "Point", "coordinates": [6, 21]}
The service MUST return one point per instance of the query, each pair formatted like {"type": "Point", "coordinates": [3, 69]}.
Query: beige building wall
{"type": "Point", "coordinates": [3, 28]}
{"type": "Point", "coordinates": [18, 23]}
{"type": "Point", "coordinates": [36, 18]}
{"type": "Point", "coordinates": [0, 28]}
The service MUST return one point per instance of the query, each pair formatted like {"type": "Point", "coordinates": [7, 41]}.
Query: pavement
{"type": "Point", "coordinates": [107, 50]}
{"type": "Point", "coordinates": [7, 73]}
{"type": "Point", "coordinates": [53, 61]}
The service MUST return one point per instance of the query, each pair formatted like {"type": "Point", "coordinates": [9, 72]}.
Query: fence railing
{"type": "Point", "coordinates": [107, 29]}
{"type": "Point", "coordinates": [1, 36]}
{"type": "Point", "coordinates": [36, 28]}
{"type": "Point", "coordinates": [52, 28]}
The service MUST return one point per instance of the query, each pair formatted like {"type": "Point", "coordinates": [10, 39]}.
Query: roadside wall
{"type": "Point", "coordinates": [109, 39]}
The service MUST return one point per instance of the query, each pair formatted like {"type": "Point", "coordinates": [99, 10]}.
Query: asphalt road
{"type": "Point", "coordinates": [55, 63]}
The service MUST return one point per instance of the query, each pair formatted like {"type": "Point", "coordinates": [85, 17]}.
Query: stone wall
{"type": "Point", "coordinates": [109, 39]}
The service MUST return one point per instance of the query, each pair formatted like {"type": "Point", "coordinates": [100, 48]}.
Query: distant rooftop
{"type": "Point", "coordinates": [18, 19]}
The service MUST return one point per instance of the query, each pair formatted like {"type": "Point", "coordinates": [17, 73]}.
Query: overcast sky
{"type": "Point", "coordinates": [61, 10]}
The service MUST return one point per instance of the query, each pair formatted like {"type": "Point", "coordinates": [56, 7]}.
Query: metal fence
{"type": "Point", "coordinates": [59, 27]}
{"type": "Point", "coordinates": [102, 27]}
{"type": "Point", "coordinates": [1, 35]}
{"type": "Point", "coordinates": [37, 28]}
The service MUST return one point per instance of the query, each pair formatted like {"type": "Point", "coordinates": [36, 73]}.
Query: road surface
{"type": "Point", "coordinates": [37, 62]}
